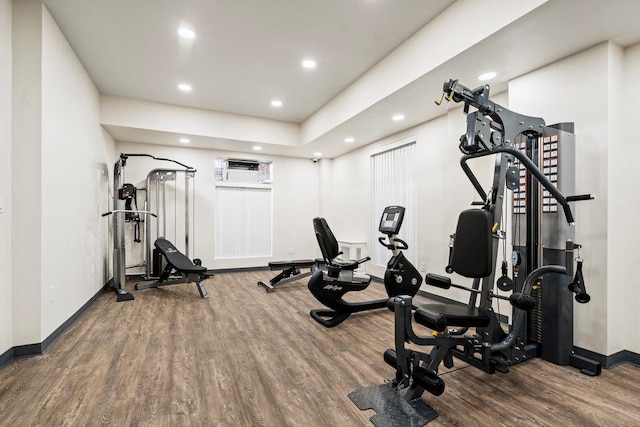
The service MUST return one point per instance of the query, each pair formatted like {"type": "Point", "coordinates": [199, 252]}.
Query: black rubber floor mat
{"type": "Point", "coordinates": [391, 407]}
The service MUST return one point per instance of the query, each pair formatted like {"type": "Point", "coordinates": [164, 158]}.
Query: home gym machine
{"type": "Point", "coordinates": [124, 199]}
{"type": "Point", "coordinates": [330, 285]}
{"type": "Point", "coordinates": [544, 263]}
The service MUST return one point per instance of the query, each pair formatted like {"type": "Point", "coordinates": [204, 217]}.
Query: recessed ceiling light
{"type": "Point", "coordinates": [185, 140]}
{"type": "Point", "coordinates": [186, 33]}
{"type": "Point", "coordinates": [276, 103]}
{"type": "Point", "coordinates": [349, 140]}
{"type": "Point", "coordinates": [317, 154]}
{"type": "Point", "coordinates": [257, 148]}
{"type": "Point", "coordinates": [397, 117]}
{"type": "Point", "coordinates": [309, 63]}
{"type": "Point", "coordinates": [487, 76]}
{"type": "Point", "coordinates": [184, 87]}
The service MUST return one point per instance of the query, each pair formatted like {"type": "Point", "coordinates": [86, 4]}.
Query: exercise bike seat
{"type": "Point", "coordinates": [347, 280]}
{"type": "Point", "coordinates": [440, 316]}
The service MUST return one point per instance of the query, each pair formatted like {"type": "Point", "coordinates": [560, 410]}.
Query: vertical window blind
{"type": "Point", "coordinates": [393, 176]}
{"type": "Point", "coordinates": [243, 222]}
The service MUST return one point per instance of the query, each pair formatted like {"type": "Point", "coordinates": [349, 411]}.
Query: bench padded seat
{"type": "Point", "coordinates": [440, 316]}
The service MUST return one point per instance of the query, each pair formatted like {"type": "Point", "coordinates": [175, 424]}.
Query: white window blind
{"type": "Point", "coordinates": [394, 183]}
{"type": "Point", "coordinates": [242, 222]}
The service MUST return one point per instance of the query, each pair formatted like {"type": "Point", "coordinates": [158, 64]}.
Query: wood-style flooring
{"type": "Point", "coordinates": [245, 357]}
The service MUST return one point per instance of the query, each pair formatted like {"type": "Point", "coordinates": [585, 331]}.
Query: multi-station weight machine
{"type": "Point", "coordinates": [125, 210]}
{"type": "Point", "coordinates": [535, 162]}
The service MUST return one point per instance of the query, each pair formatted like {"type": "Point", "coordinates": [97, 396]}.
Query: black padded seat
{"type": "Point", "coordinates": [177, 259]}
{"type": "Point", "coordinates": [301, 263]}
{"type": "Point", "coordinates": [439, 316]}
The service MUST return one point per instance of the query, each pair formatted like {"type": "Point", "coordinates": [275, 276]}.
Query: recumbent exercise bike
{"type": "Point", "coordinates": [331, 284]}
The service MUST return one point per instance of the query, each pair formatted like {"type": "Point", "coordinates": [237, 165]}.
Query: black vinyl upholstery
{"type": "Point", "coordinates": [326, 240]}
{"type": "Point", "coordinates": [176, 258]}
{"type": "Point", "coordinates": [329, 246]}
{"type": "Point", "coordinates": [472, 249]}
{"type": "Point", "coordinates": [440, 316]}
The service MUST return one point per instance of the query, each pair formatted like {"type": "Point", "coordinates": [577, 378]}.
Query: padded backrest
{"type": "Point", "coordinates": [473, 246]}
{"type": "Point", "coordinates": [176, 258]}
{"type": "Point", "coordinates": [326, 240]}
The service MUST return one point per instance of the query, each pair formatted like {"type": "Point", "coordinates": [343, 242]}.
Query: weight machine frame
{"type": "Point", "coordinates": [491, 129]}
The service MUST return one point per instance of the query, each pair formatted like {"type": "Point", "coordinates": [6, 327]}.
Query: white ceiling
{"type": "Point", "coordinates": [248, 52]}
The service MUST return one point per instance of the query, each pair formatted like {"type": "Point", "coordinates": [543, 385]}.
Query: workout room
{"type": "Point", "coordinates": [326, 213]}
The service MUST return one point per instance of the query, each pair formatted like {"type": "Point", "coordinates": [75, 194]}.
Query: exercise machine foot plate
{"type": "Point", "coordinates": [392, 409]}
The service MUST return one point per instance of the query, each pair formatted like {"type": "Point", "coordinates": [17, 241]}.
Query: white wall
{"type": "Point", "coordinates": [597, 90]}
{"type": "Point", "coordinates": [59, 180]}
{"type": "Point", "coordinates": [625, 213]}
{"type": "Point", "coordinates": [26, 171]}
{"type": "Point", "coordinates": [295, 200]}
{"type": "Point", "coordinates": [5, 177]}
{"type": "Point", "coordinates": [620, 308]}
{"type": "Point", "coordinates": [76, 159]}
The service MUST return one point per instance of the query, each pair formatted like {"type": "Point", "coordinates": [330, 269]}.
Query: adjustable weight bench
{"type": "Point", "coordinates": [176, 260]}
{"type": "Point", "coordinates": [289, 271]}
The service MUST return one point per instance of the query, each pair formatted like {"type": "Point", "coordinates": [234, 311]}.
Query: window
{"type": "Point", "coordinates": [243, 170]}
{"type": "Point", "coordinates": [394, 183]}
{"type": "Point", "coordinates": [242, 222]}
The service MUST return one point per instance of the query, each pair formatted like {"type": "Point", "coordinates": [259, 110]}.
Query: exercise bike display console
{"type": "Point", "coordinates": [391, 220]}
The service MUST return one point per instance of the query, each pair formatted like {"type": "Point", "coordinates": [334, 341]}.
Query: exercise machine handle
{"type": "Point", "coordinates": [444, 282]}
{"type": "Point", "coordinates": [128, 211]}
{"type": "Point", "coordinates": [580, 197]}
{"type": "Point", "coordinates": [382, 242]}
{"type": "Point", "coordinates": [402, 244]}
{"type": "Point", "coordinates": [396, 243]}
{"type": "Point", "coordinates": [578, 287]}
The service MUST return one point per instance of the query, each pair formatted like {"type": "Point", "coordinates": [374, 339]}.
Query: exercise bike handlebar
{"type": "Point", "coordinates": [396, 243]}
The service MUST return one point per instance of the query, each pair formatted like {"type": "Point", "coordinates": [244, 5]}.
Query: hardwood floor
{"type": "Point", "coordinates": [246, 357]}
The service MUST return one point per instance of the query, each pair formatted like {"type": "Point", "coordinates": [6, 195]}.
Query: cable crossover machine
{"type": "Point", "coordinates": [157, 207]}
{"type": "Point", "coordinates": [535, 162]}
